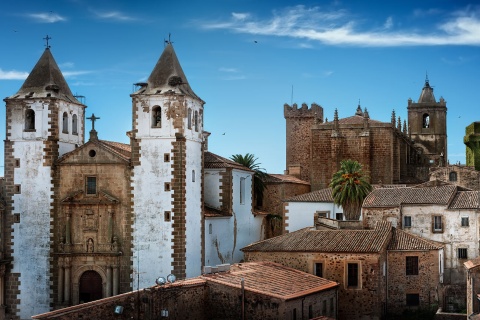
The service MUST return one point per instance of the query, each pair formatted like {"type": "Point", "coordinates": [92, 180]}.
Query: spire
{"type": "Point", "coordinates": [359, 112]}
{"type": "Point", "coordinates": [168, 75]}
{"type": "Point", "coordinates": [46, 80]}
{"type": "Point", "coordinates": [427, 93]}
{"type": "Point", "coordinates": [399, 124]}
{"type": "Point", "coordinates": [393, 118]}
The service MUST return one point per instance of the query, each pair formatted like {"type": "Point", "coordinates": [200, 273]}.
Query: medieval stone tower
{"type": "Point", "coordinates": [167, 153]}
{"type": "Point", "coordinates": [44, 121]}
{"type": "Point", "coordinates": [427, 126]}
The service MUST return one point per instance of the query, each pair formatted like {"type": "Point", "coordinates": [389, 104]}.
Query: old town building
{"type": "Point", "coordinates": [380, 271]}
{"type": "Point", "coordinates": [84, 221]}
{"type": "Point", "coordinates": [392, 152]}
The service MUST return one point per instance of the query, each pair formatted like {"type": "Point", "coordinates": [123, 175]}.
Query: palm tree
{"type": "Point", "coordinates": [248, 160]}
{"type": "Point", "coordinates": [350, 186]}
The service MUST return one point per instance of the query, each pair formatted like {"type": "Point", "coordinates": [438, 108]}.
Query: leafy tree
{"type": "Point", "coordinates": [350, 187]}
{"type": "Point", "coordinates": [248, 160]}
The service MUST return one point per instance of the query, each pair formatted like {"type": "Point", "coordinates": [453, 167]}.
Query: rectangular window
{"type": "Point", "coordinates": [324, 307]}
{"type": "Point", "coordinates": [413, 299]}
{"type": "Point", "coordinates": [167, 186]}
{"type": "Point", "coordinates": [411, 266]}
{"type": "Point", "coordinates": [352, 275]}
{"type": "Point", "coordinates": [465, 222]}
{"type": "Point", "coordinates": [242, 190]}
{"type": "Point", "coordinates": [17, 189]}
{"type": "Point", "coordinates": [91, 185]}
{"type": "Point", "coordinates": [166, 157]}
{"type": "Point", "coordinates": [310, 311]}
{"type": "Point", "coordinates": [332, 306]}
{"type": "Point", "coordinates": [339, 216]}
{"type": "Point", "coordinates": [167, 216]}
{"type": "Point", "coordinates": [294, 314]}
{"type": "Point", "coordinates": [318, 269]}
{"type": "Point", "coordinates": [462, 253]}
{"type": "Point", "coordinates": [437, 224]}
{"type": "Point", "coordinates": [16, 218]}
{"type": "Point", "coordinates": [407, 221]}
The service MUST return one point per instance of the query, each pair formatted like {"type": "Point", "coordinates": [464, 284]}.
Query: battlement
{"type": "Point", "coordinates": [315, 111]}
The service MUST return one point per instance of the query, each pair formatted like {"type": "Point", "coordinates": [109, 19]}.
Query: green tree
{"type": "Point", "coordinates": [248, 160]}
{"type": "Point", "coordinates": [350, 186]}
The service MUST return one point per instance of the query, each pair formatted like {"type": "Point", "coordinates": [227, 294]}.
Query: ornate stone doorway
{"type": "Point", "coordinates": [90, 286]}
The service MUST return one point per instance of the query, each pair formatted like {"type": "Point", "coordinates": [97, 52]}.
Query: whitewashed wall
{"type": "Point", "coordinates": [212, 187]}
{"type": "Point", "coordinates": [300, 215]}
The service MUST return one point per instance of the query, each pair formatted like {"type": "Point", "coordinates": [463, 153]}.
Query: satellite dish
{"type": "Point", "coordinates": [160, 281]}
{"type": "Point", "coordinates": [171, 278]}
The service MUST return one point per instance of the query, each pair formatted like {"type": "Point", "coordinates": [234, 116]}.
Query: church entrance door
{"type": "Point", "coordinates": [90, 286]}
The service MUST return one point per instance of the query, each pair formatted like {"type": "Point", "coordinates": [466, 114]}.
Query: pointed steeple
{"type": "Point", "coordinates": [168, 75]}
{"type": "Point", "coordinates": [427, 93]}
{"type": "Point", "coordinates": [46, 80]}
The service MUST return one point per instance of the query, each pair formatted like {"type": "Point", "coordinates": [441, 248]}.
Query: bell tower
{"type": "Point", "coordinates": [167, 156]}
{"type": "Point", "coordinates": [43, 120]}
{"type": "Point", "coordinates": [427, 124]}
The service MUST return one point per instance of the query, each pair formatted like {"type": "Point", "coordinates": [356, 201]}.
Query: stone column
{"type": "Point", "coordinates": [68, 239]}
{"type": "Point", "coordinates": [2, 285]}
{"type": "Point", "coordinates": [61, 275]}
{"type": "Point", "coordinates": [67, 282]}
{"type": "Point", "coordinates": [115, 280]}
{"type": "Point", "coordinates": [110, 224]}
{"type": "Point", "coordinates": [109, 281]}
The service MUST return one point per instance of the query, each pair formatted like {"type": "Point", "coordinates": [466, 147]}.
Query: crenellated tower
{"type": "Point", "coordinates": [44, 121]}
{"type": "Point", "coordinates": [167, 152]}
{"type": "Point", "coordinates": [299, 122]}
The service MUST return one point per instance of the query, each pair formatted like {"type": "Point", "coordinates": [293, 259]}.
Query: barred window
{"type": "Point", "coordinates": [91, 185]}
{"type": "Point", "coordinates": [462, 253]}
{"type": "Point", "coordinates": [411, 266]}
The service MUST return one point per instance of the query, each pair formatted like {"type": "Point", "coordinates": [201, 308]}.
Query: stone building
{"type": "Point", "coordinates": [473, 286]}
{"type": "Point", "coordinates": [472, 143]}
{"type": "Point", "coordinates": [256, 290]}
{"type": "Point", "coordinates": [391, 152]}
{"type": "Point", "coordinates": [460, 175]}
{"type": "Point", "coordinates": [84, 221]}
{"type": "Point", "coordinates": [380, 271]}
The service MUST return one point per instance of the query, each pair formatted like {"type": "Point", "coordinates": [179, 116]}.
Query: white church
{"type": "Point", "coordinates": [84, 218]}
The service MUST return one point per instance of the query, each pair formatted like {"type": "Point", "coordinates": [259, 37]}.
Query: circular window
{"type": "Point", "coordinates": [92, 153]}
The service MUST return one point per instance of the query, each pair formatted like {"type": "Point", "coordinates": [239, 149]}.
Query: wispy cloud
{"type": "Point", "coordinates": [231, 74]}
{"type": "Point", "coordinates": [71, 74]}
{"type": "Point", "coordinates": [13, 75]}
{"type": "Point", "coordinates": [223, 69]}
{"type": "Point", "coordinates": [339, 28]}
{"type": "Point", "coordinates": [46, 17]}
{"type": "Point", "coordinates": [113, 16]}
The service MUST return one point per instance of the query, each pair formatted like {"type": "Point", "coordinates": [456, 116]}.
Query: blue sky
{"type": "Point", "coordinates": [246, 59]}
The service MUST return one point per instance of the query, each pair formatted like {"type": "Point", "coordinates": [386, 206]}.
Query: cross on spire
{"type": "Point", "coordinates": [46, 39]}
{"type": "Point", "coordinates": [93, 119]}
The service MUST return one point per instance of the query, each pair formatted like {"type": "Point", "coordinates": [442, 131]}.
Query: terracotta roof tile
{"type": "Point", "coordinates": [213, 161]}
{"type": "Point", "coordinates": [272, 279]}
{"type": "Point", "coordinates": [389, 197]}
{"type": "Point", "coordinates": [214, 212]}
{"type": "Point", "coordinates": [402, 240]}
{"type": "Point", "coordinates": [311, 240]}
{"type": "Point", "coordinates": [356, 119]}
{"type": "Point", "coordinates": [472, 263]}
{"type": "Point", "coordinates": [322, 195]}
{"type": "Point", "coordinates": [465, 200]}
{"type": "Point", "coordinates": [282, 178]}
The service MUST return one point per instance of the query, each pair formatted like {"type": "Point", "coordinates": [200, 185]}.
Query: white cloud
{"type": "Point", "coordinates": [46, 17]}
{"type": "Point", "coordinates": [13, 75]}
{"type": "Point", "coordinates": [69, 74]}
{"type": "Point", "coordinates": [228, 70]}
{"type": "Point", "coordinates": [240, 16]}
{"type": "Point", "coordinates": [113, 15]}
{"type": "Point", "coordinates": [66, 65]}
{"type": "Point", "coordinates": [337, 28]}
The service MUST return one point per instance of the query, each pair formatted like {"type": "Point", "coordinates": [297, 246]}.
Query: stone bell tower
{"type": "Point", "coordinates": [43, 120]}
{"type": "Point", "coordinates": [167, 153]}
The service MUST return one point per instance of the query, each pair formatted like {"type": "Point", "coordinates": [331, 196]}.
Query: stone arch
{"type": "Point", "coordinates": [156, 117]}
{"type": "Point", "coordinates": [65, 122]}
{"type": "Point", "coordinates": [426, 120]}
{"type": "Point", "coordinates": [74, 124]}
{"type": "Point", "coordinates": [76, 281]}
{"type": "Point", "coordinates": [452, 176]}
{"type": "Point", "coordinates": [29, 119]}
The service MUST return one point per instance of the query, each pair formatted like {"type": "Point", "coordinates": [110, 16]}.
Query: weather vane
{"type": "Point", "coordinates": [168, 41]}
{"type": "Point", "coordinates": [46, 39]}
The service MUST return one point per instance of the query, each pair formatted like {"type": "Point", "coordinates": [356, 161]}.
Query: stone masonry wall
{"type": "Point", "coordinates": [275, 193]}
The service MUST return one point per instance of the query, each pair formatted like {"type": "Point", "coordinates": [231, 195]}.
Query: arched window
{"type": "Point", "coordinates": [189, 118]}
{"type": "Point", "coordinates": [452, 176]}
{"type": "Point", "coordinates": [156, 117]}
{"type": "Point", "coordinates": [426, 121]}
{"type": "Point", "coordinates": [29, 119]}
{"type": "Point", "coordinates": [74, 124]}
{"type": "Point", "coordinates": [65, 123]}
{"type": "Point", "coordinates": [196, 121]}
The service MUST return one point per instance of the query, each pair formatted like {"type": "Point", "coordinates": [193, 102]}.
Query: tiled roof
{"type": "Point", "coordinates": [356, 119]}
{"type": "Point", "coordinates": [121, 149]}
{"type": "Point", "coordinates": [388, 197]}
{"type": "Point", "coordinates": [465, 200]}
{"type": "Point", "coordinates": [213, 161]}
{"type": "Point", "coordinates": [271, 279]}
{"type": "Point", "coordinates": [210, 212]}
{"type": "Point", "coordinates": [402, 240]}
{"type": "Point", "coordinates": [472, 263]}
{"type": "Point", "coordinates": [282, 178]}
{"type": "Point", "coordinates": [311, 240]}
{"type": "Point", "coordinates": [322, 195]}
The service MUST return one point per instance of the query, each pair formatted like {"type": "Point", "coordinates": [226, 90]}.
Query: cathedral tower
{"type": "Point", "coordinates": [427, 121]}
{"type": "Point", "coordinates": [43, 120]}
{"type": "Point", "coordinates": [167, 153]}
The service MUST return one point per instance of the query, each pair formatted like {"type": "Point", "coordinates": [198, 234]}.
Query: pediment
{"type": "Point", "coordinates": [94, 152]}
{"type": "Point", "coordinates": [79, 197]}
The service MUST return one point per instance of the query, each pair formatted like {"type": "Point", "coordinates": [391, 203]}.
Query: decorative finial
{"type": "Point", "coordinates": [335, 115]}
{"type": "Point", "coordinates": [46, 39]}
{"type": "Point", "coordinates": [426, 76]}
{"type": "Point", "coordinates": [393, 118]}
{"type": "Point", "coordinates": [169, 41]}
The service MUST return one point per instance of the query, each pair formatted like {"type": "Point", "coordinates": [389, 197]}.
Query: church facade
{"type": "Point", "coordinates": [392, 152]}
{"type": "Point", "coordinates": [88, 220]}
